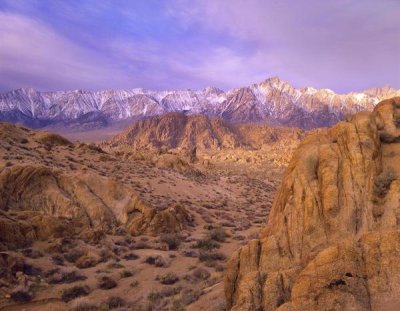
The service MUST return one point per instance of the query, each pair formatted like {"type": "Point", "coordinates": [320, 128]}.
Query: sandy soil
{"type": "Point", "coordinates": [229, 197]}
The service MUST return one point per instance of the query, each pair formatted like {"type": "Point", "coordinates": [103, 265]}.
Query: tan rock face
{"type": "Point", "coordinates": [39, 201]}
{"type": "Point", "coordinates": [332, 237]}
{"type": "Point", "coordinates": [177, 130]}
{"type": "Point", "coordinates": [170, 220]}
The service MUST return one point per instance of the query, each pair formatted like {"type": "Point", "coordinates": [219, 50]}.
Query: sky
{"type": "Point", "coordinates": [344, 45]}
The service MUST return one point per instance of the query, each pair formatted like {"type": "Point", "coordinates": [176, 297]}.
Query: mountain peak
{"type": "Point", "coordinates": [274, 79]}
{"type": "Point", "coordinates": [275, 82]}
{"type": "Point", "coordinates": [272, 101]}
{"type": "Point", "coordinates": [26, 90]}
{"type": "Point", "coordinates": [212, 90]}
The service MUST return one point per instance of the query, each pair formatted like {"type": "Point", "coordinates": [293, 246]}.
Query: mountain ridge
{"type": "Point", "coordinates": [178, 130]}
{"type": "Point", "coordinates": [271, 101]}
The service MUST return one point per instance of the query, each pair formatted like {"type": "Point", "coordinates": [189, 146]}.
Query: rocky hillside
{"type": "Point", "coordinates": [82, 228]}
{"type": "Point", "coordinates": [50, 187]}
{"type": "Point", "coordinates": [272, 101]}
{"type": "Point", "coordinates": [332, 241]}
{"type": "Point", "coordinates": [178, 130]}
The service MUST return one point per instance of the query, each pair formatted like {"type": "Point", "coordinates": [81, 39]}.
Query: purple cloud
{"type": "Point", "coordinates": [343, 45]}
{"type": "Point", "coordinates": [33, 55]}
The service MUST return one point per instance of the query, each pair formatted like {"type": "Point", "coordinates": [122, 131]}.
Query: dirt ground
{"type": "Point", "coordinates": [228, 194]}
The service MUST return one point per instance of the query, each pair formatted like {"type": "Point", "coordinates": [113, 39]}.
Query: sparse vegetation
{"type": "Point", "coordinates": [206, 244]}
{"type": "Point", "coordinates": [115, 302]}
{"type": "Point", "coordinates": [155, 296]}
{"type": "Point", "coordinates": [172, 240]}
{"type": "Point", "coordinates": [59, 276]}
{"type": "Point", "coordinates": [169, 278]}
{"type": "Point", "coordinates": [83, 304]}
{"type": "Point", "coordinates": [32, 253]}
{"type": "Point", "coordinates": [201, 273]}
{"type": "Point", "coordinates": [115, 265]}
{"type": "Point", "coordinates": [197, 275]}
{"type": "Point", "coordinates": [217, 234]}
{"type": "Point", "coordinates": [157, 261]}
{"type": "Point", "coordinates": [58, 260]}
{"type": "Point", "coordinates": [189, 296]}
{"type": "Point", "coordinates": [73, 255]}
{"type": "Point", "coordinates": [206, 255]}
{"type": "Point", "coordinates": [74, 292]}
{"type": "Point", "coordinates": [21, 294]}
{"type": "Point", "coordinates": [106, 282]}
{"type": "Point", "coordinates": [126, 274]}
{"type": "Point", "coordinates": [85, 262]}
{"type": "Point", "coordinates": [219, 208]}
{"type": "Point", "coordinates": [383, 181]}
{"type": "Point", "coordinates": [131, 256]}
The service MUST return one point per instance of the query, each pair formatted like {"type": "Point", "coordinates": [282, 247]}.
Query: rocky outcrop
{"type": "Point", "coordinates": [49, 203]}
{"type": "Point", "coordinates": [177, 130]}
{"type": "Point", "coordinates": [171, 220]}
{"type": "Point", "coordinates": [332, 241]}
{"type": "Point", "coordinates": [39, 201]}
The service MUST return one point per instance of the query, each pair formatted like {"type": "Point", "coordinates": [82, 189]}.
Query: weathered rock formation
{"type": "Point", "coordinates": [177, 130]}
{"type": "Point", "coordinates": [41, 198]}
{"type": "Point", "coordinates": [332, 241]}
{"type": "Point", "coordinates": [171, 220]}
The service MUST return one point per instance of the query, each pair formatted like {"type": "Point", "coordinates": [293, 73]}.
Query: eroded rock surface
{"type": "Point", "coordinates": [332, 241]}
{"type": "Point", "coordinates": [41, 198]}
{"type": "Point", "coordinates": [177, 130]}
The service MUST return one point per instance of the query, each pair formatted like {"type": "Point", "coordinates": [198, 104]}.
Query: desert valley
{"type": "Point", "coordinates": [184, 211]}
{"type": "Point", "coordinates": [199, 155]}
{"type": "Point", "coordinates": [146, 219]}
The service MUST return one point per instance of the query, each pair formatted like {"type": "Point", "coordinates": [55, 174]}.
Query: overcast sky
{"type": "Point", "coordinates": [344, 45]}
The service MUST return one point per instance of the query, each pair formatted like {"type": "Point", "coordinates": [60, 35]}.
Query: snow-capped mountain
{"type": "Point", "coordinates": [272, 101]}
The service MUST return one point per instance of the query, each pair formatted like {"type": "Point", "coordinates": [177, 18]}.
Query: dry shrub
{"type": "Point", "coordinates": [206, 255]}
{"type": "Point", "coordinates": [206, 244]}
{"type": "Point", "coordinates": [66, 275]}
{"type": "Point", "coordinates": [52, 139]}
{"type": "Point", "coordinates": [86, 261]}
{"type": "Point", "coordinates": [217, 234]}
{"type": "Point", "coordinates": [76, 291]}
{"type": "Point", "coordinates": [83, 304]}
{"type": "Point", "coordinates": [189, 296]}
{"type": "Point", "coordinates": [73, 255]}
{"type": "Point", "coordinates": [383, 181]}
{"type": "Point", "coordinates": [172, 240]}
{"type": "Point", "coordinates": [115, 302]}
{"type": "Point", "coordinates": [106, 282]}
{"type": "Point", "coordinates": [157, 261]}
{"type": "Point", "coordinates": [169, 278]}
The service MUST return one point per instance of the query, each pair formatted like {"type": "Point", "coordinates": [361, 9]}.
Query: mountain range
{"type": "Point", "coordinates": [178, 130]}
{"type": "Point", "coordinates": [272, 101]}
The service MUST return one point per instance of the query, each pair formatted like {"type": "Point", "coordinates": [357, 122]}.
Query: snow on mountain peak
{"type": "Point", "coordinates": [272, 99]}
